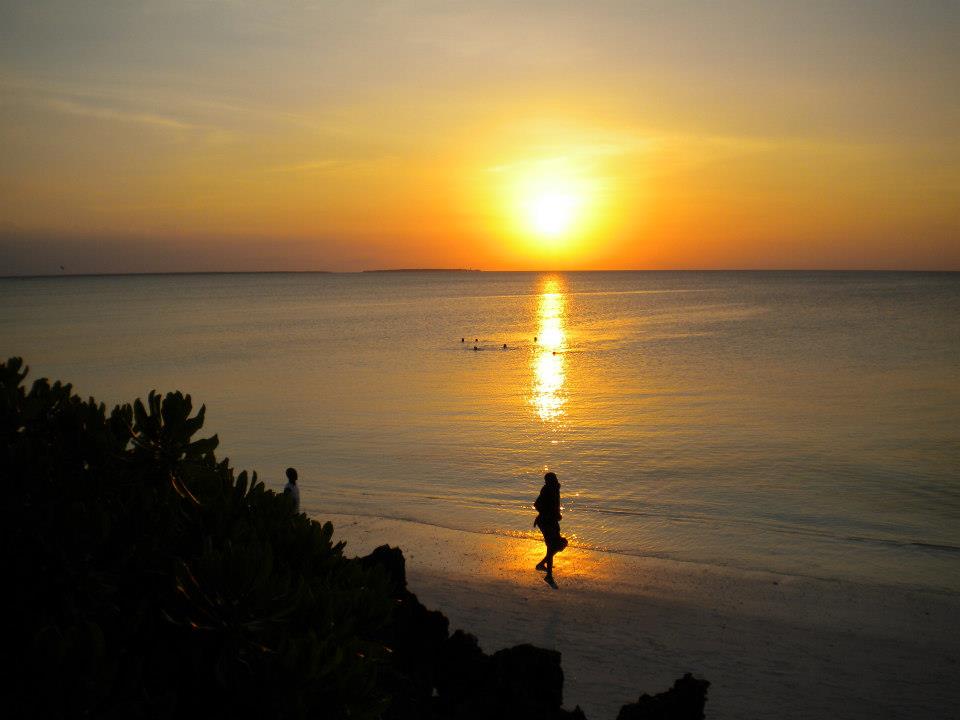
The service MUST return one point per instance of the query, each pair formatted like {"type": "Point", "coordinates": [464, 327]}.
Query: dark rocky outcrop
{"type": "Point", "coordinates": [684, 701]}
{"type": "Point", "coordinates": [433, 675]}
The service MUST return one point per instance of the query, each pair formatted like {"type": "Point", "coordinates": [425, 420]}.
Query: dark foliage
{"type": "Point", "coordinates": [146, 580]}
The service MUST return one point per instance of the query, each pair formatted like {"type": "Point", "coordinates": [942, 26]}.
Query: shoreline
{"type": "Point", "coordinates": [771, 645]}
{"type": "Point", "coordinates": [734, 568]}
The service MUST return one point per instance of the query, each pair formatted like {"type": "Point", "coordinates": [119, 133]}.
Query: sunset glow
{"type": "Point", "coordinates": [624, 333]}
{"type": "Point", "coordinates": [552, 210]}
{"type": "Point", "coordinates": [498, 136]}
{"type": "Point", "coordinates": [552, 202]}
{"type": "Point", "coordinates": [551, 213]}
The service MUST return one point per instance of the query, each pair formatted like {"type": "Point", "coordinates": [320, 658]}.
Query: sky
{"type": "Point", "coordinates": [221, 135]}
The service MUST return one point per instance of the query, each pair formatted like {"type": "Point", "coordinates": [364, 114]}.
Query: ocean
{"type": "Point", "coordinates": [806, 423]}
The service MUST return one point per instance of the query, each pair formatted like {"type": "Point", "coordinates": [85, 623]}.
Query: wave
{"type": "Point", "coordinates": [787, 527]}
{"type": "Point", "coordinates": [662, 555]}
{"type": "Point", "coordinates": [777, 527]}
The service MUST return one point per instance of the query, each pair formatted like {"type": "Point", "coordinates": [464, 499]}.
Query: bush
{"type": "Point", "coordinates": [147, 580]}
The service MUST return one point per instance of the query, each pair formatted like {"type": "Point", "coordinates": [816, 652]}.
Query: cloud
{"type": "Point", "coordinates": [309, 166]}
{"type": "Point", "coordinates": [70, 107]}
{"type": "Point", "coordinates": [90, 101]}
{"type": "Point", "coordinates": [117, 101]}
{"type": "Point", "coordinates": [575, 152]}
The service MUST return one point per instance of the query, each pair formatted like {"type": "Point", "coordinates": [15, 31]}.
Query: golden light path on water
{"type": "Point", "coordinates": [548, 398]}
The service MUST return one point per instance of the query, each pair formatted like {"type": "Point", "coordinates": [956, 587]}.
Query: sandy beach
{"type": "Point", "coordinates": [772, 646]}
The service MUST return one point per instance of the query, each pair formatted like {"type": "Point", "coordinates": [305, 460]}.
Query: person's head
{"type": "Point", "coordinates": [551, 479]}
{"type": "Point", "coordinates": [292, 475]}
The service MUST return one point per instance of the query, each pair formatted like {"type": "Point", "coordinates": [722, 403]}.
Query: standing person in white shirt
{"type": "Point", "coordinates": [292, 490]}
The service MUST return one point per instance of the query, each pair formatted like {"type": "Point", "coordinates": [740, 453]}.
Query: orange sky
{"type": "Point", "coordinates": [344, 136]}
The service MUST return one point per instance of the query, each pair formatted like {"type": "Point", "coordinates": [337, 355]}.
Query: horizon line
{"type": "Point", "coordinates": [151, 273]}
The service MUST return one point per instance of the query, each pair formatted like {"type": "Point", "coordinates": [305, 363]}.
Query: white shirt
{"type": "Point", "coordinates": [294, 491]}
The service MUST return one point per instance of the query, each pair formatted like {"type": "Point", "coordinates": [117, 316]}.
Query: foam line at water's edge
{"type": "Point", "coordinates": [654, 556]}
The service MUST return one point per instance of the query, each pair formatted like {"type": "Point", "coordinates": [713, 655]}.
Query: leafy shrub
{"type": "Point", "coordinates": [145, 579]}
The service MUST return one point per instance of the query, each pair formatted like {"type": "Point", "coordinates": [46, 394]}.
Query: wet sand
{"type": "Point", "coordinates": [772, 646]}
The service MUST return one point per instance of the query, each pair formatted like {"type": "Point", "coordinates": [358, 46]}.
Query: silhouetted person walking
{"type": "Point", "coordinates": [291, 489]}
{"type": "Point", "coordinates": [548, 520]}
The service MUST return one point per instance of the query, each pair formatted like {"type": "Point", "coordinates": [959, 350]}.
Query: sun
{"type": "Point", "coordinates": [551, 204]}
{"type": "Point", "coordinates": [549, 209]}
{"type": "Point", "coordinates": [551, 212]}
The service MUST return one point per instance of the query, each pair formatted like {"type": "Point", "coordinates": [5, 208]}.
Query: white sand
{"type": "Point", "coordinates": [772, 646]}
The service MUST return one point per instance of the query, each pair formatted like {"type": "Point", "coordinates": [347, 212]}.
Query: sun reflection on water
{"type": "Point", "coordinates": [548, 398]}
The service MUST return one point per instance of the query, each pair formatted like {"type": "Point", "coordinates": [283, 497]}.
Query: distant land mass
{"type": "Point", "coordinates": [64, 274]}
{"type": "Point", "coordinates": [416, 270]}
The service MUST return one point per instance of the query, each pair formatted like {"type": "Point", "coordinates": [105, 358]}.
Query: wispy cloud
{"type": "Point", "coordinates": [70, 107]}
{"type": "Point", "coordinates": [573, 153]}
{"type": "Point", "coordinates": [318, 165]}
{"type": "Point", "coordinates": [91, 101]}
{"type": "Point", "coordinates": [309, 166]}
{"type": "Point", "coordinates": [117, 101]}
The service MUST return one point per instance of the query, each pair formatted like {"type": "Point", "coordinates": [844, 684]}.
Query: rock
{"type": "Point", "coordinates": [415, 637]}
{"type": "Point", "coordinates": [432, 675]}
{"type": "Point", "coordinates": [392, 561]}
{"type": "Point", "coordinates": [461, 663]}
{"type": "Point", "coordinates": [529, 679]}
{"type": "Point", "coordinates": [518, 683]}
{"type": "Point", "coordinates": [684, 701]}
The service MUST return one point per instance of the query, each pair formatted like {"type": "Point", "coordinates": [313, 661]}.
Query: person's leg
{"type": "Point", "coordinates": [551, 532]}
{"type": "Point", "coordinates": [548, 578]}
{"type": "Point", "coordinates": [546, 541]}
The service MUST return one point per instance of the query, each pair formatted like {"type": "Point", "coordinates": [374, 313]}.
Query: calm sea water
{"type": "Point", "coordinates": [806, 423]}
